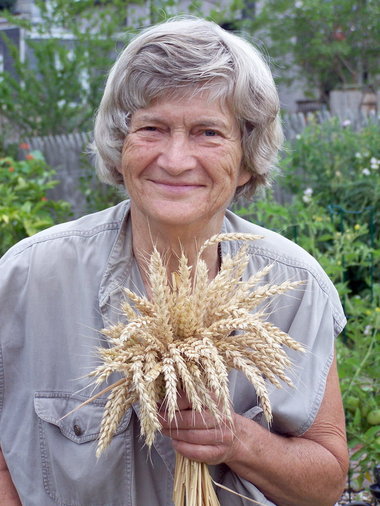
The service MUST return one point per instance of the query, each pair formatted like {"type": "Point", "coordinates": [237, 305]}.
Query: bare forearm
{"type": "Point", "coordinates": [8, 493]}
{"type": "Point", "coordinates": [289, 471]}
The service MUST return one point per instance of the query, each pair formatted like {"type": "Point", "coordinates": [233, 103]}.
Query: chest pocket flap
{"type": "Point", "coordinates": [79, 424]}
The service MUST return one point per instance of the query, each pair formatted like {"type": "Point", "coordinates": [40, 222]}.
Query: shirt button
{"type": "Point", "coordinates": [77, 430]}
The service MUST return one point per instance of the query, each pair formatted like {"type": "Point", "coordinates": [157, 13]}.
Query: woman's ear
{"type": "Point", "coordinates": [244, 177]}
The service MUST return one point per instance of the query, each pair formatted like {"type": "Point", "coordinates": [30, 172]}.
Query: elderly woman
{"type": "Point", "coordinates": [188, 120]}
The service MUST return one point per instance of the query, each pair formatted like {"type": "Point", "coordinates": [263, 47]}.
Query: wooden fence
{"type": "Point", "coordinates": [66, 155]}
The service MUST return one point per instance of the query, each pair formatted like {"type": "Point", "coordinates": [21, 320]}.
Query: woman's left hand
{"type": "Point", "coordinates": [199, 436]}
{"type": "Point", "coordinates": [281, 467]}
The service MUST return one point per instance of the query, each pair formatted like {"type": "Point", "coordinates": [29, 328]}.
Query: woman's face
{"type": "Point", "coordinates": [181, 162]}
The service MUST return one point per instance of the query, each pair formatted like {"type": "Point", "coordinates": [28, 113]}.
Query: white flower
{"type": "Point", "coordinates": [298, 137]}
{"type": "Point", "coordinates": [366, 172]}
{"type": "Point", "coordinates": [307, 194]}
{"type": "Point", "coordinates": [374, 163]}
{"type": "Point", "coordinates": [346, 123]}
{"type": "Point", "coordinates": [358, 155]}
{"type": "Point", "coordinates": [298, 4]}
{"type": "Point", "coordinates": [367, 330]}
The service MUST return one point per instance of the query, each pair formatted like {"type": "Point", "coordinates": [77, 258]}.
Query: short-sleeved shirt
{"type": "Point", "coordinates": [58, 289]}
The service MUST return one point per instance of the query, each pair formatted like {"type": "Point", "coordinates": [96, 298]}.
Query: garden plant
{"type": "Point", "coordinates": [25, 207]}
{"type": "Point", "coordinates": [327, 48]}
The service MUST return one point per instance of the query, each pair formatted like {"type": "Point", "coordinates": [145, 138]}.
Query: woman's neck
{"type": "Point", "coordinates": [171, 243]}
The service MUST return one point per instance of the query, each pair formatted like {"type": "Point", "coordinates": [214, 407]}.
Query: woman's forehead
{"type": "Point", "coordinates": [199, 109]}
{"type": "Point", "coordinates": [217, 90]}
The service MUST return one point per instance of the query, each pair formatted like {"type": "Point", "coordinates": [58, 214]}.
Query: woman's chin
{"type": "Point", "coordinates": [178, 218]}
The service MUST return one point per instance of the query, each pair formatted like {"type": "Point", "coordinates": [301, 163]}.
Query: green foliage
{"type": "Point", "coordinates": [59, 89]}
{"type": "Point", "coordinates": [359, 366]}
{"type": "Point", "coordinates": [339, 164]}
{"type": "Point", "coordinates": [322, 167]}
{"type": "Point", "coordinates": [98, 195]}
{"type": "Point", "coordinates": [24, 207]}
{"type": "Point", "coordinates": [333, 43]}
{"type": "Point", "coordinates": [312, 227]}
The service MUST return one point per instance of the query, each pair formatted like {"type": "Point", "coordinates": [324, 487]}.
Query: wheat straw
{"type": "Point", "coordinates": [188, 336]}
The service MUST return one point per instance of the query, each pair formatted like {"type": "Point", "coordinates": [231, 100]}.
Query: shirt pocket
{"type": "Point", "coordinates": [72, 474]}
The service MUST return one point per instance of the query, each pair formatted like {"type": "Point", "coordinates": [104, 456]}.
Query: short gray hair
{"type": "Point", "coordinates": [193, 54]}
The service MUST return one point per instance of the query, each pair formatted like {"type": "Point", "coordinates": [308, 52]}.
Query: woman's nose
{"type": "Point", "coordinates": [178, 154]}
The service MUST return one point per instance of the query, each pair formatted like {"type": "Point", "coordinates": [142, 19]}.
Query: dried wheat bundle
{"type": "Point", "coordinates": [189, 335]}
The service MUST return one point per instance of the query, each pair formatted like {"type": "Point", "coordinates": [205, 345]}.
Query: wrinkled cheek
{"type": "Point", "coordinates": [127, 181]}
{"type": "Point", "coordinates": [123, 162]}
{"type": "Point", "coordinates": [125, 172]}
{"type": "Point", "coordinates": [232, 165]}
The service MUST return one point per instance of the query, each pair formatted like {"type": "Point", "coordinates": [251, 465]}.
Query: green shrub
{"type": "Point", "coordinates": [314, 228]}
{"type": "Point", "coordinates": [24, 206]}
{"type": "Point", "coordinates": [359, 364]}
{"type": "Point", "coordinates": [334, 164]}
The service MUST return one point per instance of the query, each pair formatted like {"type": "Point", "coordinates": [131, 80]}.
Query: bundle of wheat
{"type": "Point", "coordinates": [189, 335]}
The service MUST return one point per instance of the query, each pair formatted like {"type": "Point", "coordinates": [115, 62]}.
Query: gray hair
{"type": "Point", "coordinates": [191, 54]}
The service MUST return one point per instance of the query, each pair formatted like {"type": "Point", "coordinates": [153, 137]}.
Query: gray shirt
{"type": "Point", "coordinates": [57, 290]}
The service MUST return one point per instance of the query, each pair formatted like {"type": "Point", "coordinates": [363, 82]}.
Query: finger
{"type": "Point", "coordinates": [201, 437]}
{"type": "Point", "coordinates": [183, 402]}
{"type": "Point", "coordinates": [210, 454]}
{"type": "Point", "coordinates": [189, 419]}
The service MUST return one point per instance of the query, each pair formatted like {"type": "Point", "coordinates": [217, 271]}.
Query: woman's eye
{"type": "Point", "coordinates": [210, 133]}
{"type": "Point", "coordinates": [149, 128]}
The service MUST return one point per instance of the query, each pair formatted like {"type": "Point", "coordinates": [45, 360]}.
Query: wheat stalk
{"type": "Point", "coordinates": [188, 336]}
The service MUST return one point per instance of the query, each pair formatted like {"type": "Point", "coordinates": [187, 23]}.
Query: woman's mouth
{"type": "Point", "coordinates": [177, 187]}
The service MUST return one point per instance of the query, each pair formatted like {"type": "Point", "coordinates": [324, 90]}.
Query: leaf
{"type": "Point", "coordinates": [372, 432]}
{"type": "Point", "coordinates": [356, 455]}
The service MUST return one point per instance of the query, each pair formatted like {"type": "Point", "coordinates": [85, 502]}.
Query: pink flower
{"type": "Point", "coordinates": [24, 145]}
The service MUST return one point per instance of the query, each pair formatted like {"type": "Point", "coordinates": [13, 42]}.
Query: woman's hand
{"type": "Point", "coordinates": [199, 436]}
{"type": "Point", "coordinates": [309, 470]}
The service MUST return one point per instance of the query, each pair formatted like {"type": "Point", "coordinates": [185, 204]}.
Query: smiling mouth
{"type": "Point", "coordinates": [176, 187]}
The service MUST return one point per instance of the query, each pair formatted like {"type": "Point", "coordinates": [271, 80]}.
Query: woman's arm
{"type": "Point", "coordinates": [308, 470]}
{"type": "Point", "coordinates": [8, 493]}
